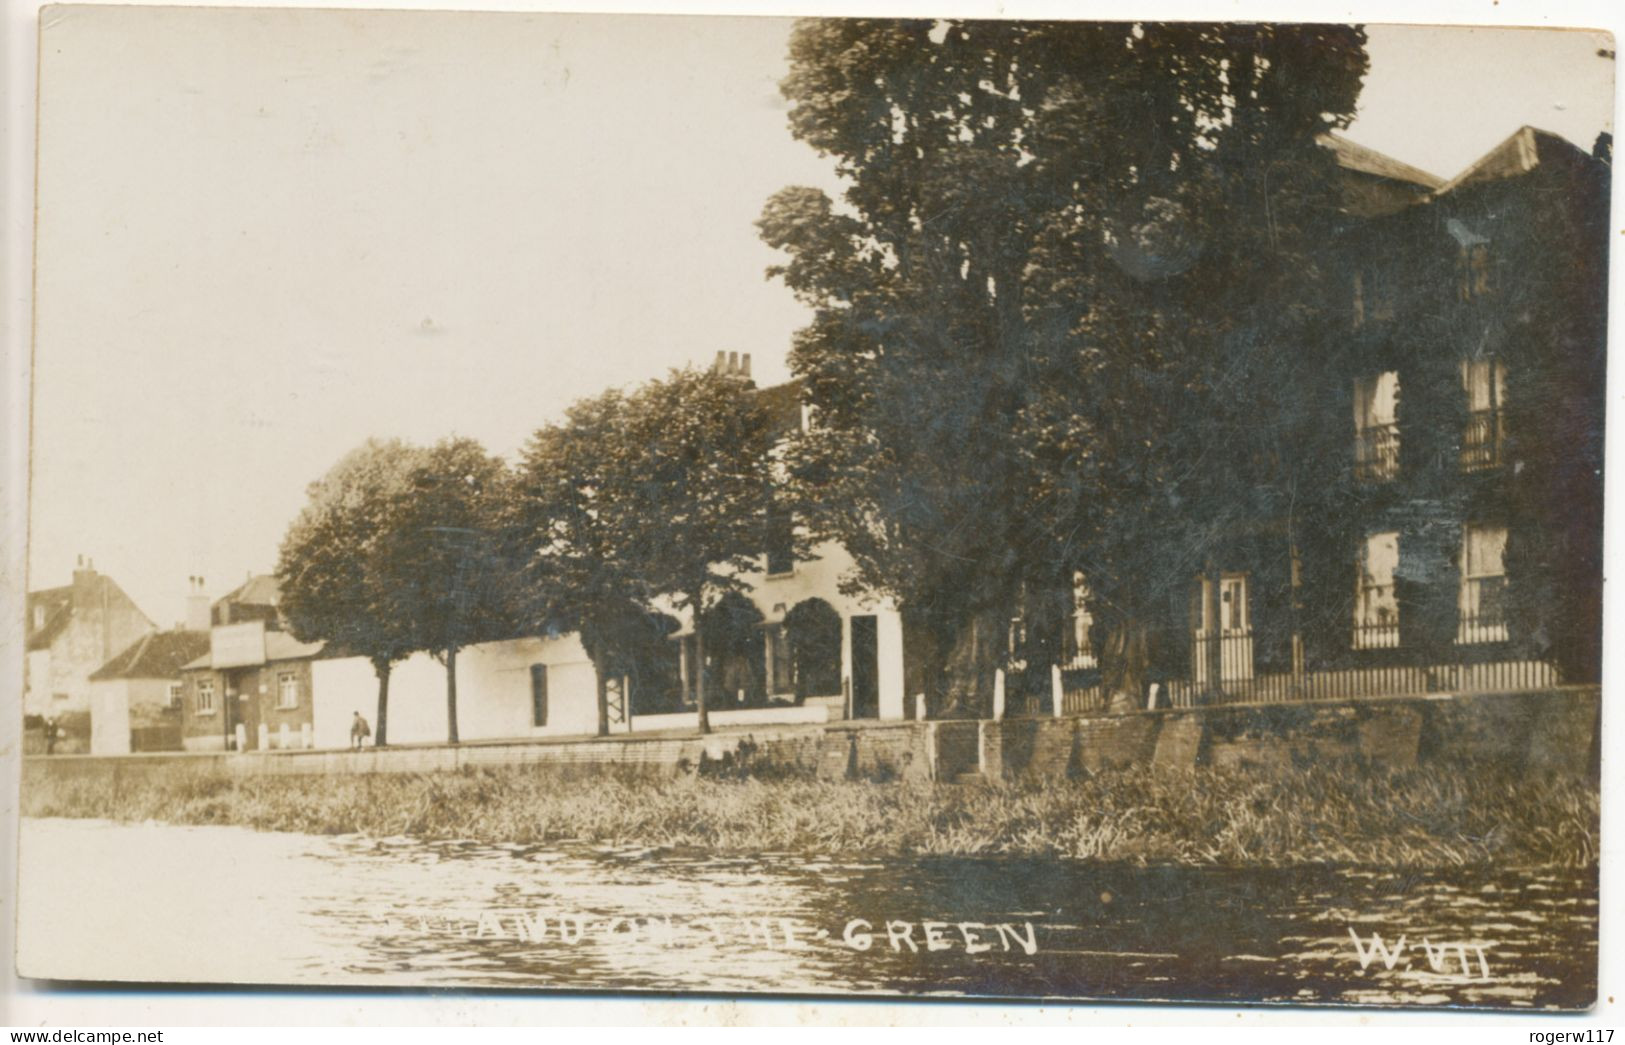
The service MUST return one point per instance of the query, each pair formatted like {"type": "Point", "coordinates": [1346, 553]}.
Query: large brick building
{"type": "Point", "coordinates": [1430, 514]}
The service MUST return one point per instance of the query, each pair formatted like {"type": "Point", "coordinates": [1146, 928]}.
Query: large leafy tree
{"type": "Point", "coordinates": [1042, 306]}
{"type": "Point", "coordinates": [660, 493]}
{"type": "Point", "coordinates": [448, 563]}
{"type": "Point", "coordinates": [335, 559]}
{"type": "Point", "coordinates": [570, 537]}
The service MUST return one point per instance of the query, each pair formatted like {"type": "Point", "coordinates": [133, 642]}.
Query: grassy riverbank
{"type": "Point", "coordinates": [1428, 817]}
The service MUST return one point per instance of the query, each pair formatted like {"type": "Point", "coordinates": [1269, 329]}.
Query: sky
{"type": "Point", "coordinates": [265, 236]}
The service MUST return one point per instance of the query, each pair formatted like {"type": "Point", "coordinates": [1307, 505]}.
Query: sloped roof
{"type": "Point", "coordinates": [782, 403]}
{"type": "Point", "coordinates": [156, 655]}
{"type": "Point", "coordinates": [262, 589]}
{"type": "Point", "coordinates": [279, 645]}
{"type": "Point", "coordinates": [1523, 150]}
{"type": "Point", "coordinates": [1356, 157]}
{"type": "Point", "coordinates": [58, 606]}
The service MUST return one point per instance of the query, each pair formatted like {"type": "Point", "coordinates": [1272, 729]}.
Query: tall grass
{"type": "Point", "coordinates": [1426, 817]}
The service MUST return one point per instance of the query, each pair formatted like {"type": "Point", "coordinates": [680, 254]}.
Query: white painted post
{"type": "Point", "coordinates": [1056, 694]}
{"type": "Point", "coordinates": [242, 737]}
{"type": "Point", "coordinates": [919, 707]}
{"type": "Point", "coordinates": [264, 733]}
{"type": "Point", "coordinates": [305, 740]}
{"type": "Point", "coordinates": [998, 694]}
{"type": "Point", "coordinates": [1151, 701]}
{"type": "Point", "coordinates": [282, 736]}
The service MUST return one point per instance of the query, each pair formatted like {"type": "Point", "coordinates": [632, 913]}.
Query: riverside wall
{"type": "Point", "coordinates": [1546, 731]}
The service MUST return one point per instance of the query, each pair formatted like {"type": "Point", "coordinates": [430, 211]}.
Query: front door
{"type": "Point", "coordinates": [865, 668]}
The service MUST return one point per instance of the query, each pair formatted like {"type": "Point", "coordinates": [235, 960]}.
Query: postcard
{"type": "Point", "coordinates": [888, 507]}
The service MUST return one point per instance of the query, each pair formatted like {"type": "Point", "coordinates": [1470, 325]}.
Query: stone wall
{"type": "Point", "coordinates": [1551, 731]}
{"type": "Point", "coordinates": [1554, 730]}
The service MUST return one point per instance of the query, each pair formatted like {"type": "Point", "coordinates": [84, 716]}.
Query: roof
{"type": "Point", "coordinates": [262, 589]}
{"type": "Point", "coordinates": [782, 404]}
{"type": "Point", "coordinates": [58, 605]}
{"type": "Point", "coordinates": [1522, 151]}
{"type": "Point", "coordinates": [1353, 156]}
{"type": "Point", "coordinates": [156, 655]}
{"type": "Point", "coordinates": [279, 645]}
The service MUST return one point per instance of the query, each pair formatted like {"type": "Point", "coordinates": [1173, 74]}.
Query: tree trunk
{"type": "Point", "coordinates": [451, 695]}
{"type": "Point", "coordinates": [971, 662]}
{"type": "Point", "coordinates": [699, 662]}
{"type": "Point", "coordinates": [381, 734]}
{"type": "Point", "coordinates": [1125, 662]}
{"type": "Point", "coordinates": [599, 668]}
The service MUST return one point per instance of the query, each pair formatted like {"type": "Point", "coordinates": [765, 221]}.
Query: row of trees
{"type": "Point", "coordinates": [1072, 268]}
{"type": "Point", "coordinates": [634, 500]}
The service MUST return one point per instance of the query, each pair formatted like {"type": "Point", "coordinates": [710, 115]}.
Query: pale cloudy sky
{"type": "Point", "coordinates": [267, 235]}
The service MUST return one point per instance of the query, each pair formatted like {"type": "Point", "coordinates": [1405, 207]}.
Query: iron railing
{"type": "Point", "coordinates": [1239, 681]}
{"type": "Point", "coordinates": [1376, 452]}
{"type": "Point", "coordinates": [1483, 610]}
{"type": "Point", "coordinates": [1481, 440]}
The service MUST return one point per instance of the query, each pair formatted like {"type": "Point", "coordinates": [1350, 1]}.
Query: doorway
{"type": "Point", "coordinates": [865, 667]}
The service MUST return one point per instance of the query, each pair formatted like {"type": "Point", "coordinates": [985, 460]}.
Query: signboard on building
{"type": "Point", "coordinates": [237, 645]}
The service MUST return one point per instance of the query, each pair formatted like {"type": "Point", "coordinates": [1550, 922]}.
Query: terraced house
{"type": "Point", "coordinates": [1432, 518]}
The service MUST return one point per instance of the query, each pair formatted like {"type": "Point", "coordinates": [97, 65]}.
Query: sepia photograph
{"type": "Point", "coordinates": [898, 508]}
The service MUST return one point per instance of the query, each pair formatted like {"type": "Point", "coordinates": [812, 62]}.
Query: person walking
{"type": "Point", "coordinates": [359, 732]}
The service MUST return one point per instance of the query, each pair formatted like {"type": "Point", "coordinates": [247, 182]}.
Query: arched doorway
{"type": "Point", "coordinates": [813, 631]}
{"type": "Point", "coordinates": [647, 658]}
{"type": "Point", "coordinates": [735, 660]}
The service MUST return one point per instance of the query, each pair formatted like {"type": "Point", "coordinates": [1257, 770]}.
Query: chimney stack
{"type": "Point", "coordinates": [744, 366]}
{"type": "Point", "coordinates": [721, 365]}
{"type": "Point", "coordinates": [197, 605]}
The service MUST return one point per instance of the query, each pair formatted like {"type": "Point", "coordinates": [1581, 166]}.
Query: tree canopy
{"type": "Point", "coordinates": [334, 562]}
{"type": "Point", "coordinates": [449, 563]}
{"type": "Point", "coordinates": [660, 492]}
{"type": "Point", "coordinates": [1043, 302]}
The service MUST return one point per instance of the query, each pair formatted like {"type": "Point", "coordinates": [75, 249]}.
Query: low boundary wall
{"type": "Point", "coordinates": [1547, 731]}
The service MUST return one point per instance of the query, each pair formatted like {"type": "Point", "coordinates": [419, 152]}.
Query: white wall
{"type": "Point", "coordinates": [820, 578]}
{"type": "Point", "coordinates": [493, 694]}
{"type": "Point", "coordinates": [37, 698]}
{"type": "Point", "coordinates": [109, 717]}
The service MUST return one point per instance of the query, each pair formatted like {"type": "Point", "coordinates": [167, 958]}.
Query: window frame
{"type": "Point", "coordinates": [1470, 596]}
{"type": "Point", "coordinates": [287, 681]}
{"type": "Point", "coordinates": [1369, 630]}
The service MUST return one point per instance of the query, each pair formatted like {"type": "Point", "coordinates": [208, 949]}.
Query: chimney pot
{"type": "Point", "coordinates": [744, 365]}
{"type": "Point", "coordinates": [721, 365]}
{"type": "Point", "coordinates": [733, 364]}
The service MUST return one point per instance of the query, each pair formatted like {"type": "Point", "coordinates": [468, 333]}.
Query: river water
{"type": "Point", "coordinates": [162, 903]}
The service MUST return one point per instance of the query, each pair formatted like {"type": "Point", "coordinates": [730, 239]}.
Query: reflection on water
{"type": "Point", "coordinates": [158, 902]}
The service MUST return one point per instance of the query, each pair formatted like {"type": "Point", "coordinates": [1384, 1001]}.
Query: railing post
{"type": "Point", "coordinates": [1057, 694]}
{"type": "Point", "coordinates": [998, 694]}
